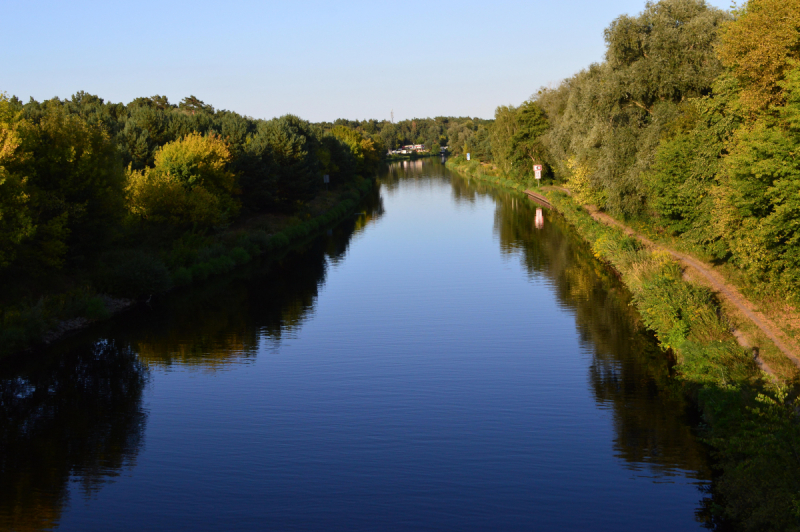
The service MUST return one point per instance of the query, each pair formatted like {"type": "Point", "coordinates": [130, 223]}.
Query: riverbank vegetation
{"type": "Point", "coordinates": [104, 203]}
{"type": "Point", "coordinates": [689, 131]}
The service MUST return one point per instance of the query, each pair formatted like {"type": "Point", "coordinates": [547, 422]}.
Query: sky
{"type": "Point", "coordinates": [320, 60]}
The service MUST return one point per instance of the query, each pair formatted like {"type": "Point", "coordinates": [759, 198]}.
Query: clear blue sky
{"type": "Point", "coordinates": [319, 60]}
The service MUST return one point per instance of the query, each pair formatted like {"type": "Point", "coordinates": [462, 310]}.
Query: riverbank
{"type": "Point", "coordinates": [190, 260]}
{"type": "Point", "coordinates": [749, 417]}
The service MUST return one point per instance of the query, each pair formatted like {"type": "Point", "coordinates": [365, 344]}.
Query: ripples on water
{"type": "Point", "coordinates": [441, 362]}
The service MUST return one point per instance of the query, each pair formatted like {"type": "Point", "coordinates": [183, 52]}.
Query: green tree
{"type": "Point", "coordinates": [684, 178]}
{"type": "Point", "coordinates": [283, 152]}
{"type": "Point", "coordinates": [15, 219]}
{"type": "Point", "coordinates": [75, 183]}
{"type": "Point", "coordinates": [609, 118]}
{"type": "Point", "coordinates": [761, 205]}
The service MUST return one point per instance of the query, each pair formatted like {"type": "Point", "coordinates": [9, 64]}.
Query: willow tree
{"type": "Point", "coordinates": [610, 117]}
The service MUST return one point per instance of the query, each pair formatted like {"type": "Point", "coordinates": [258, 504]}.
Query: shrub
{"type": "Point", "coordinates": [240, 255]}
{"type": "Point", "coordinates": [95, 308]}
{"type": "Point", "coordinates": [209, 253]}
{"type": "Point", "coordinates": [258, 242]}
{"type": "Point", "coordinates": [182, 276]}
{"type": "Point", "coordinates": [201, 271]}
{"type": "Point", "coordinates": [221, 265]}
{"type": "Point", "coordinates": [134, 273]}
{"type": "Point", "coordinates": [281, 240]}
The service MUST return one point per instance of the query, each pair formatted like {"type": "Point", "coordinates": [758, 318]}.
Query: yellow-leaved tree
{"type": "Point", "coordinates": [189, 185]}
{"type": "Point", "coordinates": [580, 184]}
{"type": "Point", "coordinates": [759, 47]}
{"type": "Point", "coordinates": [366, 154]}
{"type": "Point", "coordinates": [15, 220]}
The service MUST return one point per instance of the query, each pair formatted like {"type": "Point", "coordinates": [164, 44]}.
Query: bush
{"type": "Point", "coordinates": [240, 256]}
{"type": "Point", "coordinates": [258, 242]}
{"type": "Point", "coordinates": [182, 276]}
{"type": "Point", "coordinates": [19, 329]}
{"type": "Point", "coordinates": [221, 265]}
{"type": "Point", "coordinates": [95, 309]}
{"type": "Point", "coordinates": [134, 273]}
{"type": "Point", "coordinates": [201, 271]}
{"type": "Point", "coordinates": [208, 253]}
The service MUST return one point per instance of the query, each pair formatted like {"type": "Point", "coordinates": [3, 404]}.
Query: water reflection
{"type": "Point", "coordinates": [399, 171]}
{"type": "Point", "coordinates": [227, 321]}
{"type": "Point", "coordinates": [74, 416]}
{"type": "Point", "coordinates": [629, 374]}
{"type": "Point", "coordinates": [78, 413]}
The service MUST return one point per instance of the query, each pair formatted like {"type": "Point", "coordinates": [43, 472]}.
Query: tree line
{"type": "Point", "coordinates": [77, 174]}
{"type": "Point", "coordinates": [458, 134]}
{"type": "Point", "coordinates": [690, 125]}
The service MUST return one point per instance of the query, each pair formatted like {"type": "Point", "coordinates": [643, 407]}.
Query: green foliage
{"type": "Point", "coordinates": [760, 454]}
{"type": "Point", "coordinates": [364, 150]}
{"type": "Point", "coordinates": [280, 166]}
{"type": "Point", "coordinates": [762, 200]}
{"type": "Point", "coordinates": [74, 184]}
{"type": "Point", "coordinates": [610, 117]}
{"type": "Point", "coordinates": [16, 222]}
{"type": "Point", "coordinates": [134, 273]}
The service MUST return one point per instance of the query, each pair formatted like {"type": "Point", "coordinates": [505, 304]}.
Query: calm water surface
{"type": "Point", "coordinates": [436, 363]}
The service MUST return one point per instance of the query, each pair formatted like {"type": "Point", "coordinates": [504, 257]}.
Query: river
{"type": "Point", "coordinates": [451, 358]}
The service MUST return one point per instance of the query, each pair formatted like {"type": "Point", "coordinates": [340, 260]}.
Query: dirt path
{"type": "Point", "coordinates": [717, 282]}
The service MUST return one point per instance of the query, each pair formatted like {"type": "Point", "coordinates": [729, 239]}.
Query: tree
{"type": "Point", "coordinates": [760, 46]}
{"type": "Point", "coordinates": [762, 198]}
{"type": "Point", "coordinates": [193, 104]}
{"type": "Point", "coordinates": [290, 170]}
{"type": "Point", "coordinates": [75, 183]}
{"type": "Point", "coordinates": [609, 118]}
{"type": "Point", "coordinates": [365, 153]}
{"type": "Point", "coordinates": [526, 142]}
{"type": "Point", "coordinates": [189, 186]}
{"type": "Point", "coordinates": [15, 219]}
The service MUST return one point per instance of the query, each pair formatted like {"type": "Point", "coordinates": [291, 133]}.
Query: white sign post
{"type": "Point", "coordinates": [537, 169]}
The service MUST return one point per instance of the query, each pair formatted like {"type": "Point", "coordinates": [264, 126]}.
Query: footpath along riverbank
{"type": "Point", "coordinates": [747, 402]}
{"type": "Point", "coordinates": [42, 324]}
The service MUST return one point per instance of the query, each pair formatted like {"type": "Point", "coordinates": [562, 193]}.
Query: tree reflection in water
{"type": "Point", "coordinates": [74, 416]}
{"type": "Point", "coordinates": [75, 413]}
{"type": "Point", "coordinates": [225, 321]}
{"type": "Point", "coordinates": [629, 373]}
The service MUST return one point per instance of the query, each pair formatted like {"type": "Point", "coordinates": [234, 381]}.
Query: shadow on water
{"type": "Point", "coordinates": [629, 374]}
{"type": "Point", "coordinates": [73, 415]}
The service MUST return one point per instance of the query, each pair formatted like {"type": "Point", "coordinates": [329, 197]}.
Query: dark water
{"type": "Point", "coordinates": [436, 363]}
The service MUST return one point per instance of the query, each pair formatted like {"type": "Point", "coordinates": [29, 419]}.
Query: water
{"type": "Point", "coordinates": [436, 363]}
